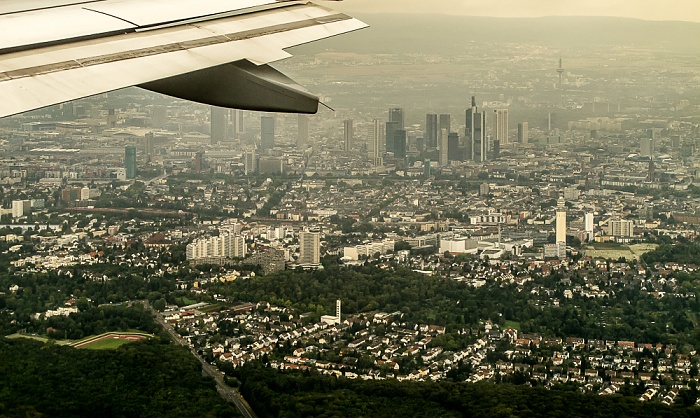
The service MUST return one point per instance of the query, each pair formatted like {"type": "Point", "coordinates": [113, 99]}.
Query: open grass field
{"type": "Point", "coordinates": [109, 340]}
{"type": "Point", "coordinates": [512, 324]}
{"type": "Point", "coordinates": [38, 338]}
{"type": "Point", "coordinates": [615, 251]}
{"type": "Point", "coordinates": [106, 344]}
{"type": "Point", "coordinates": [211, 308]}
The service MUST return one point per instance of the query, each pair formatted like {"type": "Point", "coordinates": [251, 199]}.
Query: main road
{"type": "Point", "coordinates": [228, 393]}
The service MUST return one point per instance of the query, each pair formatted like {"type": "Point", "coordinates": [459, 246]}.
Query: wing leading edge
{"type": "Point", "coordinates": [216, 54]}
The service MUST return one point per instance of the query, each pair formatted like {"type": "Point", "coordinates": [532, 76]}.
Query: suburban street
{"type": "Point", "coordinates": [228, 393]}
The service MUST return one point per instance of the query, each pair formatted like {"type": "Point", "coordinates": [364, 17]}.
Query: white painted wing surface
{"type": "Point", "coordinates": [86, 54]}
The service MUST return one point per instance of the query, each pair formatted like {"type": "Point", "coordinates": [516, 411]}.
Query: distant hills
{"type": "Point", "coordinates": [443, 33]}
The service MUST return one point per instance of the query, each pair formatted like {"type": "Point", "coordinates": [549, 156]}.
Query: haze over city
{"type": "Point", "coordinates": [680, 10]}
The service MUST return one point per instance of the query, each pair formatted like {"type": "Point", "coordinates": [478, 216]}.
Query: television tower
{"type": "Point", "coordinates": [560, 71]}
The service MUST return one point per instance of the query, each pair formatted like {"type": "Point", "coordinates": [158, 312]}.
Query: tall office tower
{"type": "Point", "coordinates": [444, 122]}
{"type": "Point", "coordinates": [453, 151]}
{"type": "Point", "coordinates": [198, 161]}
{"type": "Point", "coordinates": [219, 123]}
{"type": "Point", "coordinates": [496, 151]}
{"type": "Point", "coordinates": [588, 224]}
{"type": "Point", "coordinates": [310, 247]}
{"type": "Point", "coordinates": [426, 168]}
{"type": "Point", "coordinates": [267, 133]}
{"type": "Point", "coordinates": [377, 159]}
{"type": "Point", "coordinates": [400, 144]}
{"type": "Point", "coordinates": [431, 130]}
{"type": "Point", "coordinates": [391, 128]}
{"type": "Point", "coordinates": [475, 134]}
{"type": "Point", "coordinates": [522, 133]}
{"type": "Point", "coordinates": [443, 157]}
{"type": "Point", "coordinates": [561, 222]}
{"type": "Point", "coordinates": [469, 129]}
{"type": "Point", "coordinates": [148, 143]}
{"type": "Point", "coordinates": [250, 162]}
{"type": "Point", "coordinates": [232, 128]}
{"type": "Point", "coordinates": [396, 115]}
{"type": "Point", "coordinates": [240, 126]}
{"type": "Point", "coordinates": [500, 126]}
{"type": "Point", "coordinates": [111, 118]}
{"type": "Point", "coordinates": [347, 134]}
{"type": "Point", "coordinates": [480, 143]}
{"type": "Point", "coordinates": [130, 161]}
{"type": "Point", "coordinates": [302, 131]}
{"type": "Point", "coordinates": [551, 120]}
{"type": "Point", "coordinates": [646, 146]}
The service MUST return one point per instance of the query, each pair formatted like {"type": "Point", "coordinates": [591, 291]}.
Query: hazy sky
{"type": "Point", "coordinates": [688, 10]}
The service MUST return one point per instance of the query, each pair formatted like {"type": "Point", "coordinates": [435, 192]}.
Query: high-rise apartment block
{"type": "Point", "coordinates": [621, 228]}
{"type": "Point", "coordinates": [309, 247]}
{"type": "Point", "coordinates": [226, 245]}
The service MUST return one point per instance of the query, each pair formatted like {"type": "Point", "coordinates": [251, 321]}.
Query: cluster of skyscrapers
{"type": "Point", "coordinates": [444, 145]}
{"type": "Point", "coordinates": [438, 143]}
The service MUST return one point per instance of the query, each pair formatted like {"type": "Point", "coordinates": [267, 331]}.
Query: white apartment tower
{"type": "Point", "coordinates": [561, 223]}
{"type": "Point", "coordinates": [310, 247]}
{"type": "Point", "coordinates": [226, 245]}
{"type": "Point", "coordinates": [588, 224]}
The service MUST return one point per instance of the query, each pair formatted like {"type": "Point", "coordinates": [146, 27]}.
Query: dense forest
{"type": "Point", "coordinates": [144, 379]}
{"type": "Point", "coordinates": [629, 315]}
{"type": "Point", "coordinates": [293, 394]}
{"type": "Point", "coordinates": [687, 252]}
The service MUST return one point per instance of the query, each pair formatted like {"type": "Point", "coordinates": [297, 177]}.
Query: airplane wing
{"type": "Point", "coordinates": [211, 51]}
